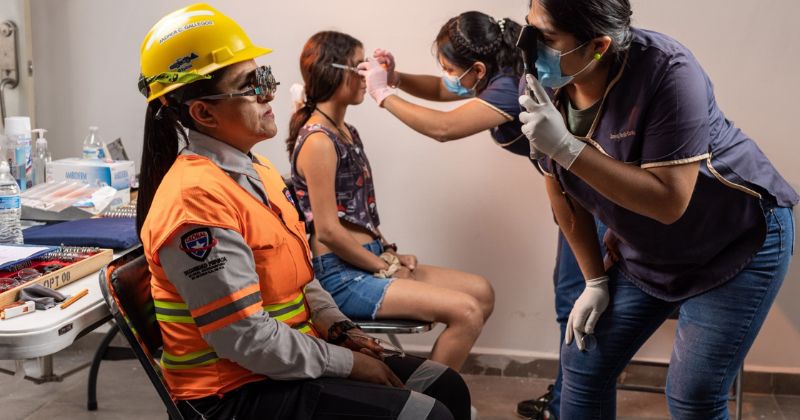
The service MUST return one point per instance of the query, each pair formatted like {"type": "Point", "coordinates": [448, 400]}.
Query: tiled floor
{"type": "Point", "coordinates": [125, 393]}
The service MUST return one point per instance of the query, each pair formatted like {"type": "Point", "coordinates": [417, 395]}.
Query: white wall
{"type": "Point", "coordinates": [19, 99]}
{"type": "Point", "coordinates": [466, 204]}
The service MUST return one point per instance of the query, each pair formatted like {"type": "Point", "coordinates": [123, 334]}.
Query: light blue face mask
{"type": "Point", "coordinates": [453, 84]}
{"type": "Point", "coordinates": [548, 66]}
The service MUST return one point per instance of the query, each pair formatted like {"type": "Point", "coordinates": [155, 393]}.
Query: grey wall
{"type": "Point", "coordinates": [466, 204]}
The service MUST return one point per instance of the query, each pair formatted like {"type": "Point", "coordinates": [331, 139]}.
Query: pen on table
{"type": "Point", "coordinates": [74, 298]}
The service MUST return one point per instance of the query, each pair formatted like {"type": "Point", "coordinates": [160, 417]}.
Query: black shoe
{"type": "Point", "coordinates": [537, 409]}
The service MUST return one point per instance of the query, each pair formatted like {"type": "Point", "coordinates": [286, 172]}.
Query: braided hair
{"type": "Point", "coordinates": [474, 36]}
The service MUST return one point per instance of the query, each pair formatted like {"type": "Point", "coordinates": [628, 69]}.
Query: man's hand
{"type": "Point", "coordinates": [361, 342]}
{"type": "Point", "coordinates": [369, 369]}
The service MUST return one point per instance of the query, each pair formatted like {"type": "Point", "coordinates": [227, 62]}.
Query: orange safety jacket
{"type": "Point", "coordinates": [196, 191]}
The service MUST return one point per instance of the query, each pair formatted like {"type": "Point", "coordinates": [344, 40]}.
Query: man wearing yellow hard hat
{"type": "Point", "coordinates": [247, 331]}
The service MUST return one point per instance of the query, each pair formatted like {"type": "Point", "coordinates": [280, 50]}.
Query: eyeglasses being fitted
{"type": "Point", "coordinates": [346, 66]}
{"type": "Point", "coordinates": [263, 82]}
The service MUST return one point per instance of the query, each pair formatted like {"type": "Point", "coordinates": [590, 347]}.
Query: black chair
{"type": "Point", "coordinates": [392, 327]}
{"type": "Point", "coordinates": [125, 284]}
{"type": "Point", "coordinates": [735, 394]}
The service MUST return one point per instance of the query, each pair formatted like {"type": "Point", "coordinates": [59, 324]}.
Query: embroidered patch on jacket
{"type": "Point", "coordinates": [197, 244]}
{"type": "Point", "coordinates": [288, 195]}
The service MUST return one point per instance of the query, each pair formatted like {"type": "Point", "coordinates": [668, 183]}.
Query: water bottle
{"type": "Point", "coordinates": [18, 150]}
{"type": "Point", "coordinates": [10, 210]}
{"type": "Point", "coordinates": [41, 157]}
{"type": "Point", "coordinates": [91, 144]}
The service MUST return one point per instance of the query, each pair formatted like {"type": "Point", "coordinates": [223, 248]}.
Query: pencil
{"type": "Point", "coordinates": [74, 298]}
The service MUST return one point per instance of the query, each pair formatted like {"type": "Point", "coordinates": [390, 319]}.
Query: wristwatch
{"type": "Point", "coordinates": [336, 333]}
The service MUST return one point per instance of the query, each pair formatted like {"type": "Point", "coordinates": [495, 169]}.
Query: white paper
{"type": "Point", "coordinates": [10, 253]}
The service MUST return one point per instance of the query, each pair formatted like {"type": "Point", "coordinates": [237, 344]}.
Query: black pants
{"type": "Point", "coordinates": [432, 392]}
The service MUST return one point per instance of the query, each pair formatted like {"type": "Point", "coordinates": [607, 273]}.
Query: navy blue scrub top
{"type": "Point", "coordinates": [501, 95]}
{"type": "Point", "coordinates": [659, 110]}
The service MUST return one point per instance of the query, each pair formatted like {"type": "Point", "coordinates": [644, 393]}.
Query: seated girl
{"type": "Point", "coordinates": [366, 275]}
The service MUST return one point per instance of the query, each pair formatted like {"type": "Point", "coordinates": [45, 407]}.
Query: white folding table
{"type": "Point", "coordinates": [43, 333]}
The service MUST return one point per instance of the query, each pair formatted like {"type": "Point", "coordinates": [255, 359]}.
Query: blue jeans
{"type": "Point", "coordinates": [568, 283]}
{"type": "Point", "coordinates": [715, 331]}
{"type": "Point", "coordinates": [358, 293]}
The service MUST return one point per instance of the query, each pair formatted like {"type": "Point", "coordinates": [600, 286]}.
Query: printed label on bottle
{"type": "Point", "coordinates": [90, 152]}
{"type": "Point", "coordinates": [9, 202]}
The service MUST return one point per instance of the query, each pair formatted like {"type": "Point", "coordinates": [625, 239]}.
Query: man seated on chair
{"type": "Point", "coordinates": [247, 332]}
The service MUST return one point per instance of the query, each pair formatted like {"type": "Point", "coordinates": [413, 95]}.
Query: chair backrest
{"type": "Point", "coordinates": [287, 179]}
{"type": "Point", "coordinates": [125, 283]}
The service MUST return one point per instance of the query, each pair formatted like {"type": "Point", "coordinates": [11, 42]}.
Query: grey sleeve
{"type": "Point", "coordinates": [207, 265]}
{"type": "Point", "coordinates": [324, 311]}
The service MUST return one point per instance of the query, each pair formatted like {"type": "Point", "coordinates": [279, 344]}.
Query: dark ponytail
{"type": "Point", "coordinates": [475, 36]}
{"type": "Point", "coordinates": [164, 134]}
{"type": "Point", "coordinates": [589, 19]}
{"type": "Point", "coordinates": [320, 78]}
{"type": "Point", "coordinates": [298, 120]}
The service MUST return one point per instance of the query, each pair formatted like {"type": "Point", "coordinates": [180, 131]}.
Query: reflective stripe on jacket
{"type": "Point", "coordinates": [281, 255]}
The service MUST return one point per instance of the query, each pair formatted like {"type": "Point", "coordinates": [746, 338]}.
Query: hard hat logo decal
{"type": "Point", "coordinates": [186, 27]}
{"type": "Point", "coordinates": [183, 63]}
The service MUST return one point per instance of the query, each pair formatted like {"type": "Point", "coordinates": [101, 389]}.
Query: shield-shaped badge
{"type": "Point", "coordinates": [197, 244]}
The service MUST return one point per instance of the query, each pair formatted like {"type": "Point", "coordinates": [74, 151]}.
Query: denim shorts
{"type": "Point", "coordinates": [358, 293]}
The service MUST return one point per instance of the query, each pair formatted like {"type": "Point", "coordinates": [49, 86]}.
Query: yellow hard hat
{"type": "Point", "coordinates": [189, 43]}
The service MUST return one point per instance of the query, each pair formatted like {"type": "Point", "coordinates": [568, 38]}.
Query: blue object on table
{"type": "Point", "coordinates": [104, 232]}
{"type": "Point", "coordinates": [30, 255]}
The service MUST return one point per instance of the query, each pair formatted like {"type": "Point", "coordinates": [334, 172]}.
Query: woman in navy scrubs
{"type": "Point", "coordinates": [480, 62]}
{"type": "Point", "coordinates": [698, 217]}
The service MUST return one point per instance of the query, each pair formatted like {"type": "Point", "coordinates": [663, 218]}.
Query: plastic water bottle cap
{"type": "Point", "coordinates": [93, 128]}
{"type": "Point", "coordinates": [17, 125]}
